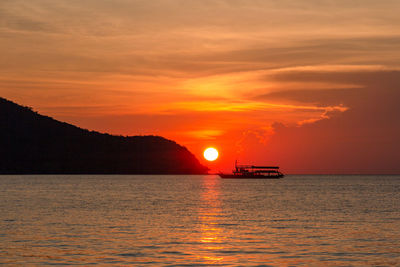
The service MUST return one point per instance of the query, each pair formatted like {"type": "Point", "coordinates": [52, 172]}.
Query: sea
{"type": "Point", "coordinates": [200, 220]}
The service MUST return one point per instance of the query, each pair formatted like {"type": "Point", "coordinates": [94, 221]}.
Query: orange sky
{"type": "Point", "coordinates": [309, 85]}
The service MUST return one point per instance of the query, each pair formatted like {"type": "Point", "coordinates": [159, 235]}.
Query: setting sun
{"type": "Point", "coordinates": [210, 154]}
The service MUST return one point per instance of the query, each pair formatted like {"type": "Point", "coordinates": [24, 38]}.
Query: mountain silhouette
{"type": "Point", "coordinates": [31, 143]}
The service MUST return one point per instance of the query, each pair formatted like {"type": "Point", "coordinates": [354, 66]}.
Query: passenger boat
{"type": "Point", "coordinates": [253, 172]}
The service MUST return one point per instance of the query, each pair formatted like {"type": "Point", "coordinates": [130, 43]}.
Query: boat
{"type": "Point", "coordinates": [253, 172]}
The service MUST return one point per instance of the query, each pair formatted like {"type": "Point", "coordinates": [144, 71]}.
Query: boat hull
{"type": "Point", "coordinates": [233, 176]}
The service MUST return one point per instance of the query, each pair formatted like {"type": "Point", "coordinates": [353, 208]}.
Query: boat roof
{"type": "Point", "coordinates": [256, 167]}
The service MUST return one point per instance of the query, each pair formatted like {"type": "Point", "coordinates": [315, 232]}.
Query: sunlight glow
{"type": "Point", "coordinates": [210, 154]}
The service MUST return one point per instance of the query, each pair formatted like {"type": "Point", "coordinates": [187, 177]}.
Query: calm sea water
{"type": "Point", "coordinates": [200, 220]}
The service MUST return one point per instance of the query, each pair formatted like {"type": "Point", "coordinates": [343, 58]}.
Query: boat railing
{"type": "Point", "coordinates": [256, 167]}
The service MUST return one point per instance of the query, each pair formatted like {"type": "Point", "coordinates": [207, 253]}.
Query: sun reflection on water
{"type": "Point", "coordinates": [210, 214]}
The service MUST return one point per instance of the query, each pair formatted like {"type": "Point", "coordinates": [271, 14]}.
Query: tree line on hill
{"type": "Point", "coordinates": [31, 143]}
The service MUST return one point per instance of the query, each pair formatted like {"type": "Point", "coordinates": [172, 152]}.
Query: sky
{"type": "Point", "coordinates": [311, 86]}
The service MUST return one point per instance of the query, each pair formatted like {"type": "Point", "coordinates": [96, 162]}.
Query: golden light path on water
{"type": "Point", "coordinates": [225, 241]}
{"type": "Point", "coordinates": [212, 236]}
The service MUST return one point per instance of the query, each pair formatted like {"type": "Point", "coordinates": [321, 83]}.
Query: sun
{"type": "Point", "coordinates": [210, 154]}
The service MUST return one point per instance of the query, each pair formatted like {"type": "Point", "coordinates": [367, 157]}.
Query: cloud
{"type": "Point", "coordinates": [205, 134]}
{"type": "Point", "coordinates": [363, 139]}
{"type": "Point", "coordinates": [312, 96]}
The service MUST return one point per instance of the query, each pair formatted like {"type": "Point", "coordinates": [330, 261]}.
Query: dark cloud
{"type": "Point", "coordinates": [319, 97]}
{"type": "Point", "coordinates": [386, 79]}
{"type": "Point", "coordinates": [364, 139]}
{"type": "Point", "coordinates": [366, 50]}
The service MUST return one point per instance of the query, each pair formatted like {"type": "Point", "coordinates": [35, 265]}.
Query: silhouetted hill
{"type": "Point", "coordinates": [34, 144]}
